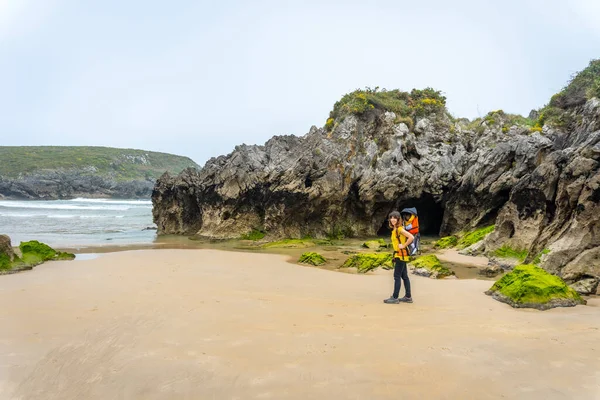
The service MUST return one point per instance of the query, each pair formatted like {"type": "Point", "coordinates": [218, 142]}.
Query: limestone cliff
{"type": "Point", "coordinates": [537, 179]}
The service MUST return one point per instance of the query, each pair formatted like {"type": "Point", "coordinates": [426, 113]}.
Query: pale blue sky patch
{"type": "Point", "coordinates": [197, 78]}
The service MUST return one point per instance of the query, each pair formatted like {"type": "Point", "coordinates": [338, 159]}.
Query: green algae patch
{"type": "Point", "coordinates": [365, 262]}
{"type": "Point", "coordinates": [61, 255]}
{"type": "Point", "coordinates": [5, 263]}
{"type": "Point", "coordinates": [254, 234]}
{"type": "Point", "coordinates": [388, 265]}
{"type": "Point", "coordinates": [446, 242]}
{"type": "Point", "coordinates": [529, 286]}
{"type": "Point", "coordinates": [538, 259]}
{"type": "Point", "coordinates": [297, 243]}
{"type": "Point", "coordinates": [290, 244]}
{"type": "Point", "coordinates": [430, 266]}
{"type": "Point", "coordinates": [34, 253]}
{"type": "Point", "coordinates": [312, 258]}
{"type": "Point", "coordinates": [375, 244]}
{"type": "Point", "coordinates": [474, 237]}
{"type": "Point", "coordinates": [508, 252]}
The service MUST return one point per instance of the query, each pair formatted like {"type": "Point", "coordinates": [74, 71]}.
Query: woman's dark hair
{"type": "Point", "coordinates": [393, 214]}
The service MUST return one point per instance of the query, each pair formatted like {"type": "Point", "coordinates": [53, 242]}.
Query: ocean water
{"type": "Point", "coordinates": [78, 222]}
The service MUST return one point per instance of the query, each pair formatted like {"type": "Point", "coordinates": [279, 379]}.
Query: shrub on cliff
{"type": "Point", "coordinates": [417, 103]}
{"type": "Point", "coordinates": [583, 86]}
{"type": "Point", "coordinates": [529, 286]}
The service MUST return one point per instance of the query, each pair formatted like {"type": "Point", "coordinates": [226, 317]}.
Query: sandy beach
{"type": "Point", "coordinates": [209, 324]}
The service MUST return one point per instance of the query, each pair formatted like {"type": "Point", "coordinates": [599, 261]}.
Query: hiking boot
{"type": "Point", "coordinates": [405, 300]}
{"type": "Point", "coordinates": [391, 300]}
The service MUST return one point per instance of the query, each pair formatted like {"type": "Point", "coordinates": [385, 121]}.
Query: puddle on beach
{"type": "Point", "coordinates": [336, 253]}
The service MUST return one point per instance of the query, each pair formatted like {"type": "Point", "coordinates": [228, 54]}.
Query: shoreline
{"type": "Point", "coordinates": [466, 267]}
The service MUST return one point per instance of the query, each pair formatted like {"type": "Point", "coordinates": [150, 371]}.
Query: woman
{"type": "Point", "coordinates": [400, 241]}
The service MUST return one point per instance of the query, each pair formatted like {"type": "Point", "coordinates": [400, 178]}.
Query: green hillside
{"type": "Point", "coordinates": [121, 164]}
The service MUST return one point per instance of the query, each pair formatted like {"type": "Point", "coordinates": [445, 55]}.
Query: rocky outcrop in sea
{"type": "Point", "coordinates": [73, 183]}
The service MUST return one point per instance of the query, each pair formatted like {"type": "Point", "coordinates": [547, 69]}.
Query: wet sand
{"type": "Point", "coordinates": [453, 256]}
{"type": "Point", "coordinates": [208, 324]}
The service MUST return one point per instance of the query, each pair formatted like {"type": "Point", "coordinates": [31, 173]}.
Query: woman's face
{"type": "Point", "coordinates": [393, 221]}
{"type": "Point", "coordinates": [406, 217]}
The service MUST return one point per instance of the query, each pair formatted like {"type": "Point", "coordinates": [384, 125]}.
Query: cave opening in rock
{"type": "Point", "coordinates": [308, 182]}
{"type": "Point", "coordinates": [429, 211]}
{"type": "Point", "coordinates": [507, 229]}
{"type": "Point", "coordinates": [191, 215]}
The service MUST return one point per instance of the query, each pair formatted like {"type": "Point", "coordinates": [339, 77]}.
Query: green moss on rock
{"type": "Point", "coordinates": [529, 286]}
{"type": "Point", "coordinates": [375, 244]}
{"type": "Point", "coordinates": [5, 263]}
{"type": "Point", "coordinates": [254, 234]}
{"type": "Point", "coordinates": [429, 265]}
{"type": "Point", "coordinates": [312, 258]}
{"type": "Point", "coordinates": [35, 253]}
{"type": "Point", "coordinates": [474, 237]}
{"type": "Point", "coordinates": [365, 262]}
{"type": "Point", "coordinates": [290, 244]}
{"type": "Point", "coordinates": [538, 259]}
{"type": "Point", "coordinates": [508, 252]}
{"type": "Point", "coordinates": [297, 243]}
{"type": "Point", "coordinates": [61, 255]}
{"type": "Point", "coordinates": [388, 265]}
{"type": "Point", "coordinates": [446, 242]}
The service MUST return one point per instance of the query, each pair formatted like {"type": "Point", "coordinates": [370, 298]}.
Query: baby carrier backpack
{"type": "Point", "coordinates": [412, 226]}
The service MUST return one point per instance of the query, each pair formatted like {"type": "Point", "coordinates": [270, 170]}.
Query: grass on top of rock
{"type": "Point", "coordinates": [34, 253]}
{"type": "Point", "coordinates": [431, 263]}
{"type": "Point", "coordinates": [530, 286]}
{"type": "Point", "coordinates": [122, 164]}
{"type": "Point", "coordinates": [405, 105]}
{"type": "Point", "coordinates": [365, 262]}
{"type": "Point", "coordinates": [473, 237]}
{"type": "Point", "coordinates": [312, 258]}
{"type": "Point", "coordinates": [508, 252]}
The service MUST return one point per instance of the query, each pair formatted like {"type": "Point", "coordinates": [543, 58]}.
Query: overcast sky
{"type": "Point", "coordinates": [196, 78]}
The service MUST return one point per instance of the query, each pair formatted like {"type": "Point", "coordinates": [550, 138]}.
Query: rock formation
{"type": "Point", "coordinates": [537, 180]}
